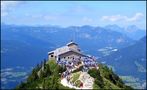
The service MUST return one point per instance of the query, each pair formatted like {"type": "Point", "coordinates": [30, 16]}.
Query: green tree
{"type": "Point", "coordinates": [44, 62]}
{"type": "Point", "coordinates": [33, 76]}
{"type": "Point", "coordinates": [41, 73]}
{"type": "Point", "coordinates": [96, 74]}
{"type": "Point", "coordinates": [46, 71]}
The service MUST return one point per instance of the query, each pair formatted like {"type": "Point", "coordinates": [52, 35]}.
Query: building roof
{"type": "Point", "coordinates": [71, 43]}
{"type": "Point", "coordinates": [65, 49]}
{"type": "Point", "coordinates": [73, 52]}
{"type": "Point", "coordinates": [59, 50]}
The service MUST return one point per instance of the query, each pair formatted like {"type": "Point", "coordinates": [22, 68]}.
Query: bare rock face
{"type": "Point", "coordinates": [87, 80]}
{"type": "Point", "coordinates": [77, 79]}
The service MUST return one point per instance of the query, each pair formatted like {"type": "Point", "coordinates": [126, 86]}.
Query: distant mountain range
{"type": "Point", "coordinates": [85, 36]}
{"type": "Point", "coordinates": [27, 45]}
{"type": "Point", "coordinates": [46, 38]}
{"type": "Point", "coordinates": [131, 31]}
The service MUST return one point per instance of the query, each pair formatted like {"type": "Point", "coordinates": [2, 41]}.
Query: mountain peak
{"type": "Point", "coordinates": [72, 70]}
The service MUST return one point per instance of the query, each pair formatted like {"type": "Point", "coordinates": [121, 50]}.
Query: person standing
{"type": "Point", "coordinates": [81, 85]}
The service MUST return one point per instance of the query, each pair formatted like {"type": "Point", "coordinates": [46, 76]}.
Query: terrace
{"type": "Point", "coordinates": [85, 62]}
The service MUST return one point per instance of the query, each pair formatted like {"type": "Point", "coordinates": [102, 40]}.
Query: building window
{"type": "Point", "coordinates": [52, 55]}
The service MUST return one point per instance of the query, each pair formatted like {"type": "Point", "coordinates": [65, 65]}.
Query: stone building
{"type": "Point", "coordinates": [68, 52]}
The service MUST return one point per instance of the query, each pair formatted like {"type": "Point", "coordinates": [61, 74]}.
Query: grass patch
{"type": "Point", "coordinates": [77, 83]}
{"type": "Point", "coordinates": [95, 86]}
{"type": "Point", "coordinates": [109, 85]}
{"type": "Point", "coordinates": [75, 76]}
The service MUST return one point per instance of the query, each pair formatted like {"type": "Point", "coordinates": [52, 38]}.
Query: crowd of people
{"type": "Point", "coordinates": [89, 62]}
{"type": "Point", "coordinates": [86, 62]}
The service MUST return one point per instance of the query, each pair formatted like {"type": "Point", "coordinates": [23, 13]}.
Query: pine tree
{"type": "Point", "coordinates": [48, 70]}
{"type": "Point", "coordinates": [37, 67]}
{"type": "Point", "coordinates": [41, 73]}
{"type": "Point", "coordinates": [44, 62]}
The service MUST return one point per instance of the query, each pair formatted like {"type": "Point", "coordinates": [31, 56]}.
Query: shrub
{"type": "Point", "coordinates": [96, 74]}
{"type": "Point", "coordinates": [75, 76]}
{"type": "Point", "coordinates": [77, 83]}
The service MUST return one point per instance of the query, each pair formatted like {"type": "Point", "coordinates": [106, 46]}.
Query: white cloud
{"type": "Point", "coordinates": [114, 18]}
{"type": "Point", "coordinates": [7, 6]}
{"type": "Point", "coordinates": [136, 17]}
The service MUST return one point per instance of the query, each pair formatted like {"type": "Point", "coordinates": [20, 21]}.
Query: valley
{"type": "Point", "coordinates": [31, 44]}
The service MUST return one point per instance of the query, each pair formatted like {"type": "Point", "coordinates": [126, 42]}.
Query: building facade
{"type": "Point", "coordinates": [68, 52]}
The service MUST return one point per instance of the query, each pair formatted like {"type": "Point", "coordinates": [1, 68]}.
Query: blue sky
{"type": "Point", "coordinates": [74, 13]}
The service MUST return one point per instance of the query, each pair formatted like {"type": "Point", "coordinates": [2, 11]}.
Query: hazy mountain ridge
{"type": "Point", "coordinates": [23, 44]}
{"type": "Point", "coordinates": [131, 31]}
{"type": "Point", "coordinates": [97, 36]}
{"type": "Point", "coordinates": [19, 53]}
{"type": "Point", "coordinates": [130, 60]}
